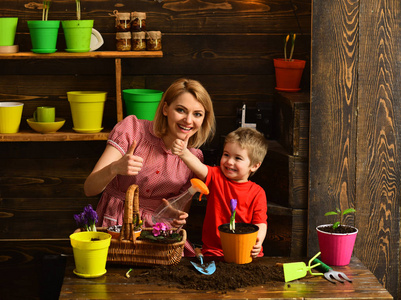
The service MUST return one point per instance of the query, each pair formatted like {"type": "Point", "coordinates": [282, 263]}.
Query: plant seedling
{"type": "Point", "coordinates": [340, 214]}
{"type": "Point", "coordinates": [292, 36]}
{"type": "Point", "coordinates": [45, 11]}
{"type": "Point", "coordinates": [78, 2]}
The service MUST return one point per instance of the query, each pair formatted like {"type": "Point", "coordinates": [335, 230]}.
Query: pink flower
{"type": "Point", "coordinates": [160, 229]}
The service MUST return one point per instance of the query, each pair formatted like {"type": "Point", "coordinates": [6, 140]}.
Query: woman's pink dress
{"type": "Point", "coordinates": [164, 175]}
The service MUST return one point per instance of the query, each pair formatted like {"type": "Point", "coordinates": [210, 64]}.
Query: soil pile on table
{"type": "Point", "coordinates": [226, 277]}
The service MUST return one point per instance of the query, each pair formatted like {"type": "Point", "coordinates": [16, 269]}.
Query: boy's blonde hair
{"type": "Point", "coordinates": [251, 140]}
{"type": "Point", "coordinates": [196, 89]}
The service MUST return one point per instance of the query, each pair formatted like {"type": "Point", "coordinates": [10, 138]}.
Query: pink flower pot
{"type": "Point", "coordinates": [336, 248]}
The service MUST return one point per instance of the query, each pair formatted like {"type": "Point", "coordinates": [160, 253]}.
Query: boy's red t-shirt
{"type": "Point", "coordinates": [251, 207]}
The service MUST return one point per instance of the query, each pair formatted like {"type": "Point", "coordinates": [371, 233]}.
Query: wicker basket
{"type": "Point", "coordinates": [130, 251]}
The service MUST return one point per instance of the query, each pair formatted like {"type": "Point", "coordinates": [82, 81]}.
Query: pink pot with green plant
{"type": "Point", "coordinates": [336, 241]}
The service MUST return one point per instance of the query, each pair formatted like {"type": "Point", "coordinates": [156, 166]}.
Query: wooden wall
{"type": "Point", "coordinates": [227, 45]}
{"type": "Point", "coordinates": [355, 133]}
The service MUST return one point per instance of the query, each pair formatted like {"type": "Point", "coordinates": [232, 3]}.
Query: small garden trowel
{"type": "Point", "coordinates": [208, 268]}
{"type": "Point", "coordinates": [298, 270]}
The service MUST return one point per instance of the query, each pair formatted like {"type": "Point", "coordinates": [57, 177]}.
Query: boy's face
{"type": "Point", "coordinates": [235, 163]}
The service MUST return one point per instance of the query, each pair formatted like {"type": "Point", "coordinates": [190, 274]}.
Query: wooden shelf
{"type": "Point", "coordinates": [94, 54]}
{"type": "Point", "coordinates": [28, 136]}
{"type": "Point", "coordinates": [59, 136]}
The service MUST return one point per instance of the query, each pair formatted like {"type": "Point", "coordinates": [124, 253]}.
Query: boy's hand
{"type": "Point", "coordinates": [256, 249]}
{"type": "Point", "coordinates": [179, 146]}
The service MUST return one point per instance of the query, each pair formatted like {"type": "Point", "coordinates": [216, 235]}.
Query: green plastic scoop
{"type": "Point", "coordinates": [298, 270]}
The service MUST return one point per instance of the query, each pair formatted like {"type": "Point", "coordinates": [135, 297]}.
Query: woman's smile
{"type": "Point", "coordinates": [184, 128]}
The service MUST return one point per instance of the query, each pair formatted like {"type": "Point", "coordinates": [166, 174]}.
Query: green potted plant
{"type": "Point", "coordinates": [337, 240]}
{"type": "Point", "coordinates": [44, 32]}
{"type": "Point", "coordinates": [161, 233]}
{"type": "Point", "coordinates": [237, 239]}
{"type": "Point", "coordinates": [288, 71]}
{"type": "Point", "coordinates": [77, 32]}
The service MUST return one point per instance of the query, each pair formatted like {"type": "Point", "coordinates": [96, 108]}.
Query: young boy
{"type": "Point", "coordinates": [244, 151]}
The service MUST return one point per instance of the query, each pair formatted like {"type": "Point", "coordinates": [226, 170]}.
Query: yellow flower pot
{"type": "Point", "coordinates": [87, 110]}
{"type": "Point", "coordinates": [10, 116]}
{"type": "Point", "coordinates": [90, 253]}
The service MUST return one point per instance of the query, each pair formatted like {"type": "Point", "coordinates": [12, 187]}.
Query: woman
{"type": "Point", "coordinates": [139, 152]}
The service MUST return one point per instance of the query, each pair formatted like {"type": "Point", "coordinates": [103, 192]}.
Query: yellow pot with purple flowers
{"type": "Point", "coordinates": [90, 247]}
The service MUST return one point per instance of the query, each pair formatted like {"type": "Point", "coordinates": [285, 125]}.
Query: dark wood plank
{"type": "Point", "coordinates": [193, 53]}
{"type": "Point", "coordinates": [284, 177]}
{"type": "Point", "coordinates": [286, 233]}
{"type": "Point", "coordinates": [184, 16]}
{"type": "Point", "coordinates": [333, 109]}
{"type": "Point", "coordinates": [354, 134]}
{"type": "Point", "coordinates": [292, 113]}
{"type": "Point", "coordinates": [32, 269]}
{"type": "Point", "coordinates": [378, 165]}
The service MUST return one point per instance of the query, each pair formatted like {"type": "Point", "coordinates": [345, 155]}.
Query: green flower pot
{"type": "Point", "coordinates": [43, 36]}
{"type": "Point", "coordinates": [77, 35]}
{"type": "Point", "coordinates": [8, 28]}
{"type": "Point", "coordinates": [142, 102]}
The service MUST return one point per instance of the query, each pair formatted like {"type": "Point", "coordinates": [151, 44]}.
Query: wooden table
{"type": "Point", "coordinates": [114, 285]}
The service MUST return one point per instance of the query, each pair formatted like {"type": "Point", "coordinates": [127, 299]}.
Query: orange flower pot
{"type": "Point", "coordinates": [116, 235]}
{"type": "Point", "coordinates": [237, 246]}
{"type": "Point", "coordinates": [288, 74]}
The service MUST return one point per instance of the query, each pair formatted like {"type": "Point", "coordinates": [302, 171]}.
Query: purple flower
{"type": "Point", "coordinates": [90, 215]}
{"type": "Point", "coordinates": [233, 205]}
{"type": "Point", "coordinates": [87, 219]}
{"type": "Point", "coordinates": [80, 219]}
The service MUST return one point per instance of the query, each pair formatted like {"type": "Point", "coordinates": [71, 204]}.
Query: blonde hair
{"type": "Point", "coordinates": [195, 88]}
{"type": "Point", "coordinates": [251, 140]}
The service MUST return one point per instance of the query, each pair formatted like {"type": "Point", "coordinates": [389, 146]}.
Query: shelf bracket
{"type": "Point", "coordinates": [119, 103]}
